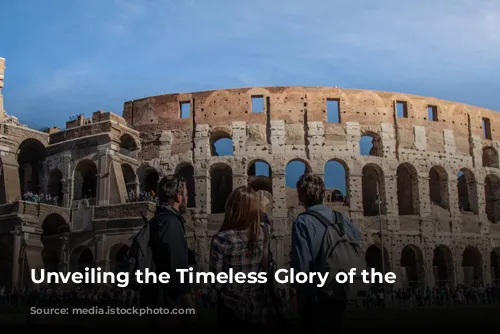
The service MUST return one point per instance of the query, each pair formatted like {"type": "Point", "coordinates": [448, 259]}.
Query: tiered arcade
{"type": "Point", "coordinates": [434, 164]}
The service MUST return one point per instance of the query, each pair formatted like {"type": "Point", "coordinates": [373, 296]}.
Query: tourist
{"type": "Point", "coordinates": [307, 236]}
{"type": "Point", "coordinates": [240, 244]}
{"type": "Point", "coordinates": [170, 252]}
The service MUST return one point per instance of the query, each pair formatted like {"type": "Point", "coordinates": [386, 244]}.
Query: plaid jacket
{"type": "Point", "coordinates": [229, 250]}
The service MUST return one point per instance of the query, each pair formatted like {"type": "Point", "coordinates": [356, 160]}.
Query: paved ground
{"type": "Point", "coordinates": [437, 318]}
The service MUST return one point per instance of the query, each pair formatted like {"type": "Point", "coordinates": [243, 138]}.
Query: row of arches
{"type": "Point", "coordinates": [412, 264]}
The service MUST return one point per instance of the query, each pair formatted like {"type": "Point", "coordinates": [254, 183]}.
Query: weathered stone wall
{"type": "Point", "coordinates": [425, 207]}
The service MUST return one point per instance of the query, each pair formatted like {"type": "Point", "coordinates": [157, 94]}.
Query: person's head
{"type": "Point", "coordinates": [243, 211]}
{"type": "Point", "coordinates": [310, 190]}
{"type": "Point", "coordinates": [172, 190]}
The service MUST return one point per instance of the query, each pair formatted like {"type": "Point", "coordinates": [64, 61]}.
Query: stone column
{"type": "Point", "coordinates": [103, 179]}
{"type": "Point", "coordinates": [16, 258]}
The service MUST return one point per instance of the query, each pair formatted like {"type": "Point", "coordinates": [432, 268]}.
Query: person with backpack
{"type": "Point", "coordinates": [240, 244]}
{"type": "Point", "coordinates": [323, 240]}
{"type": "Point", "coordinates": [162, 247]}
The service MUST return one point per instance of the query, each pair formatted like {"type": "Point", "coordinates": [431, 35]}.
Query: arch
{"type": "Point", "coordinates": [373, 258]}
{"type": "Point", "coordinates": [294, 169]}
{"type": "Point", "coordinates": [149, 180]}
{"type": "Point", "coordinates": [118, 258]}
{"type": "Point", "coordinates": [490, 157]}
{"type": "Point", "coordinates": [412, 264]}
{"type": "Point", "coordinates": [129, 178]}
{"type": "Point", "coordinates": [81, 257]}
{"type": "Point", "coordinates": [472, 265]}
{"type": "Point", "coordinates": [260, 176]}
{"type": "Point", "coordinates": [407, 189]}
{"type": "Point", "coordinates": [438, 187]}
{"type": "Point", "coordinates": [51, 261]}
{"type": "Point", "coordinates": [221, 183]}
{"type": "Point", "coordinates": [186, 171]}
{"type": "Point", "coordinates": [5, 264]}
{"type": "Point", "coordinates": [373, 180]}
{"type": "Point", "coordinates": [55, 186]}
{"type": "Point", "coordinates": [467, 191]}
{"type": "Point", "coordinates": [127, 143]}
{"type": "Point", "coordinates": [85, 180]}
{"type": "Point", "coordinates": [192, 258]}
{"type": "Point", "coordinates": [54, 224]}
{"type": "Point", "coordinates": [442, 264]}
{"type": "Point", "coordinates": [221, 143]}
{"type": "Point", "coordinates": [370, 143]}
{"type": "Point", "coordinates": [492, 197]}
{"type": "Point", "coordinates": [336, 178]}
{"type": "Point", "coordinates": [30, 157]}
{"type": "Point", "coordinates": [495, 266]}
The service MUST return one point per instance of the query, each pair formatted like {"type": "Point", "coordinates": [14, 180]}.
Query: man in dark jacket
{"type": "Point", "coordinates": [170, 251]}
{"type": "Point", "coordinates": [307, 236]}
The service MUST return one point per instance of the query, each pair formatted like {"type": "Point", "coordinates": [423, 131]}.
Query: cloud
{"type": "Point", "coordinates": [124, 13]}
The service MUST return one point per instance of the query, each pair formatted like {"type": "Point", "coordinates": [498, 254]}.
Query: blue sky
{"type": "Point", "coordinates": [69, 57]}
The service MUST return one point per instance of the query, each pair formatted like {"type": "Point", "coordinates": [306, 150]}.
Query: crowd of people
{"type": "Point", "coordinates": [40, 198]}
{"type": "Point", "coordinates": [142, 196]}
{"type": "Point", "coordinates": [206, 297]}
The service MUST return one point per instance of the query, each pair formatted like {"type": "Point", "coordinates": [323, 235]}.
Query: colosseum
{"type": "Point", "coordinates": [425, 195]}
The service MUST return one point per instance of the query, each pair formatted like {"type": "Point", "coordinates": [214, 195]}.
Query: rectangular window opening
{"type": "Point", "coordinates": [258, 104]}
{"type": "Point", "coordinates": [486, 128]}
{"type": "Point", "coordinates": [185, 109]}
{"type": "Point", "coordinates": [333, 111]}
{"type": "Point", "coordinates": [401, 109]}
{"type": "Point", "coordinates": [432, 113]}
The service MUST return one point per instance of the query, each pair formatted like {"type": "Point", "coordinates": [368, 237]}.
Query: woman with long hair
{"type": "Point", "coordinates": [240, 245]}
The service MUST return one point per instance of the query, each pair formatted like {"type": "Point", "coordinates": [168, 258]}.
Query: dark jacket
{"type": "Point", "coordinates": [170, 252]}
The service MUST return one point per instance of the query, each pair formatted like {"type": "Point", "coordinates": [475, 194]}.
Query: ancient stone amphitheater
{"type": "Point", "coordinates": [434, 164]}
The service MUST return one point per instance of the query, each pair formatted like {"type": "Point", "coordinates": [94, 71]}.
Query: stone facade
{"type": "Point", "coordinates": [427, 192]}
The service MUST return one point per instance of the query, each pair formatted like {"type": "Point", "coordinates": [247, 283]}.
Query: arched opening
{"type": "Point", "coordinates": [336, 176]}
{"type": "Point", "coordinates": [221, 144]}
{"type": "Point", "coordinates": [85, 180]}
{"type": "Point", "coordinates": [294, 170]}
{"type": "Point", "coordinates": [221, 182]}
{"type": "Point", "coordinates": [442, 263]}
{"type": "Point", "coordinates": [54, 224]}
{"type": "Point", "coordinates": [129, 179]}
{"type": "Point", "coordinates": [80, 259]}
{"type": "Point", "coordinates": [467, 193]}
{"type": "Point", "coordinates": [373, 258]}
{"type": "Point", "coordinates": [30, 158]}
{"type": "Point", "coordinates": [5, 264]}
{"type": "Point", "coordinates": [50, 259]}
{"type": "Point", "coordinates": [438, 187]}
{"type": "Point", "coordinates": [407, 189]}
{"type": "Point", "coordinates": [259, 176]}
{"type": "Point", "coordinates": [149, 184]}
{"type": "Point", "coordinates": [127, 144]}
{"type": "Point", "coordinates": [55, 186]}
{"type": "Point", "coordinates": [412, 265]}
{"type": "Point", "coordinates": [495, 266]}
{"type": "Point", "coordinates": [472, 264]}
{"type": "Point", "coordinates": [118, 258]}
{"type": "Point", "coordinates": [492, 197]}
{"type": "Point", "coordinates": [371, 144]}
{"type": "Point", "coordinates": [490, 157]}
{"type": "Point", "coordinates": [373, 188]}
{"type": "Point", "coordinates": [187, 173]}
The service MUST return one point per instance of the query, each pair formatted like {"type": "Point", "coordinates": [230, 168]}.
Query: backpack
{"type": "Point", "coordinates": [140, 256]}
{"type": "Point", "coordinates": [340, 253]}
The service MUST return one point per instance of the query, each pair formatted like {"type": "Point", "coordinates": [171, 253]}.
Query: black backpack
{"type": "Point", "coordinates": [140, 256]}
